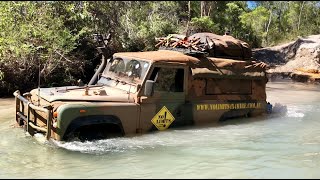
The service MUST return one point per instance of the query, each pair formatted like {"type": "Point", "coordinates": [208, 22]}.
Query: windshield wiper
{"type": "Point", "coordinates": [117, 80]}
{"type": "Point", "coordinates": [107, 77]}
{"type": "Point", "coordinates": [110, 78]}
{"type": "Point", "coordinates": [81, 87]}
{"type": "Point", "coordinates": [123, 82]}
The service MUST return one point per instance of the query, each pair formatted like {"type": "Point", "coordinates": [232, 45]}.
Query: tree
{"type": "Point", "coordinates": [152, 19]}
{"type": "Point", "coordinates": [258, 21]}
{"type": "Point", "coordinates": [202, 24]}
{"type": "Point", "coordinates": [58, 34]}
{"type": "Point", "coordinates": [33, 36]}
{"type": "Point", "coordinates": [233, 22]}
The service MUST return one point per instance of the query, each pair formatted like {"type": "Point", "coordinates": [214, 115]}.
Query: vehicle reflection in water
{"type": "Point", "coordinates": [284, 144]}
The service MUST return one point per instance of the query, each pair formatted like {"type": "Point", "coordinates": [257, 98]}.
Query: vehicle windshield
{"type": "Point", "coordinates": [125, 72]}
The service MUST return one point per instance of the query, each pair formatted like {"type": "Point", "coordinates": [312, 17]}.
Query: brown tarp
{"type": "Point", "coordinates": [227, 68]}
{"type": "Point", "coordinates": [226, 73]}
{"type": "Point", "coordinates": [224, 46]}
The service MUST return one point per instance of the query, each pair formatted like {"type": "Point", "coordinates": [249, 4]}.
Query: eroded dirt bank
{"type": "Point", "coordinates": [298, 59]}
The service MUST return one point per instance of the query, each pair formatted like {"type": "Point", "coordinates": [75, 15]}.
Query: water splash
{"type": "Point", "coordinates": [279, 108]}
{"type": "Point", "coordinates": [156, 140]}
{"type": "Point", "coordinates": [293, 113]}
{"type": "Point", "coordinates": [121, 144]}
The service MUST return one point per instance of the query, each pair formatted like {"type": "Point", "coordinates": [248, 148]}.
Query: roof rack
{"type": "Point", "coordinates": [186, 51]}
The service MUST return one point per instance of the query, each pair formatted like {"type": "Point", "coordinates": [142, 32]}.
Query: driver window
{"type": "Point", "coordinates": [133, 69]}
{"type": "Point", "coordinates": [168, 79]}
{"type": "Point", "coordinates": [117, 66]}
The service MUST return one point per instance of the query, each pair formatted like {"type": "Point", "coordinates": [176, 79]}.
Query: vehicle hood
{"type": "Point", "coordinates": [77, 93]}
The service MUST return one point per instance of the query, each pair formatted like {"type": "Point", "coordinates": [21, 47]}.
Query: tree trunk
{"type": "Point", "coordinates": [267, 30]}
{"type": "Point", "coordinates": [202, 8]}
{"type": "Point", "coordinates": [300, 15]}
{"type": "Point", "coordinates": [209, 10]}
{"type": "Point", "coordinates": [189, 11]}
{"type": "Point", "coordinates": [189, 18]}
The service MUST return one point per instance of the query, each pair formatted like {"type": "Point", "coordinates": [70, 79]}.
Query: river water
{"type": "Point", "coordinates": [285, 144]}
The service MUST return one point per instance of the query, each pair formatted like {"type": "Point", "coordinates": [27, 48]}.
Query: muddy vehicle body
{"type": "Point", "coordinates": [139, 92]}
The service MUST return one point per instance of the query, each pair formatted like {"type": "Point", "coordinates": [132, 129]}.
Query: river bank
{"type": "Point", "coordinates": [297, 60]}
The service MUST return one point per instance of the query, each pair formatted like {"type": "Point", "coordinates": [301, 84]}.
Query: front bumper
{"type": "Point", "coordinates": [25, 110]}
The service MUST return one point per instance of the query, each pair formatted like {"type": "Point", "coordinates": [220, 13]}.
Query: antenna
{"type": "Point", "coordinates": [129, 92]}
{"type": "Point", "coordinates": [39, 85]}
{"type": "Point", "coordinates": [39, 75]}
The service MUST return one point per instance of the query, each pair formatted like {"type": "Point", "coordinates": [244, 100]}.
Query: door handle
{"type": "Point", "coordinates": [179, 112]}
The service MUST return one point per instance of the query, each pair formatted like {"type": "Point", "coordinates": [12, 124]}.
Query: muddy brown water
{"type": "Point", "coordinates": [285, 144]}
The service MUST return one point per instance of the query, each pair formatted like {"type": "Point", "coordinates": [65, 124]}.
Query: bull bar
{"type": "Point", "coordinates": [21, 101]}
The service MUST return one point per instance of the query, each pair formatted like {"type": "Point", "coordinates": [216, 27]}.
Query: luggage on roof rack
{"type": "Point", "coordinates": [210, 44]}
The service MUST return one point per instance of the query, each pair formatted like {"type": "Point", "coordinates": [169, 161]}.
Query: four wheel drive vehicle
{"type": "Point", "coordinates": [139, 92]}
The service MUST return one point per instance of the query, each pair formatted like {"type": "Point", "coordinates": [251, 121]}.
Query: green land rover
{"type": "Point", "coordinates": [139, 92]}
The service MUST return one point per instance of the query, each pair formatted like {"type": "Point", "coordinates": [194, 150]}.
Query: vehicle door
{"type": "Point", "coordinates": [166, 107]}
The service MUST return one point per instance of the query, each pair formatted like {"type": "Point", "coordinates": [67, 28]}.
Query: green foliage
{"type": "Point", "coordinates": [141, 25]}
{"type": "Point", "coordinates": [232, 20]}
{"type": "Point", "coordinates": [58, 34]}
{"type": "Point", "coordinates": [256, 19]}
{"type": "Point", "coordinates": [291, 19]}
{"type": "Point", "coordinates": [29, 27]}
{"type": "Point", "coordinates": [34, 33]}
{"type": "Point", "coordinates": [203, 24]}
{"type": "Point", "coordinates": [257, 22]}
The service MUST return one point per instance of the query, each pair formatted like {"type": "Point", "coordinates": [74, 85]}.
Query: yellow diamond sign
{"type": "Point", "coordinates": [163, 119]}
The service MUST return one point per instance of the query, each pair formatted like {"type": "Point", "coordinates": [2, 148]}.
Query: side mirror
{"type": "Point", "coordinates": [149, 88]}
{"type": "Point", "coordinates": [138, 87]}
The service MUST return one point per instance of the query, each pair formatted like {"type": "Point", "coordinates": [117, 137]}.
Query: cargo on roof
{"type": "Point", "coordinates": [212, 44]}
{"type": "Point", "coordinates": [194, 62]}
